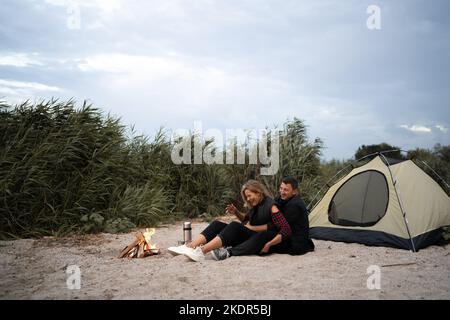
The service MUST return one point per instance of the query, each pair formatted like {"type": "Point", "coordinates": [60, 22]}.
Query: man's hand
{"type": "Point", "coordinates": [266, 248]}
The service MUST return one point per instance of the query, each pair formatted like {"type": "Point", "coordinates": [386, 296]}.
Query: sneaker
{"type": "Point", "coordinates": [179, 250]}
{"type": "Point", "coordinates": [195, 254]}
{"type": "Point", "coordinates": [220, 254]}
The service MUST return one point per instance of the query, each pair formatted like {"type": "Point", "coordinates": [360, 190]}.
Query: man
{"type": "Point", "coordinates": [272, 240]}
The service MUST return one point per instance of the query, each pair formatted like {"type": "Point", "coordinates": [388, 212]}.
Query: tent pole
{"type": "Point", "coordinates": [400, 202]}
{"type": "Point", "coordinates": [442, 179]}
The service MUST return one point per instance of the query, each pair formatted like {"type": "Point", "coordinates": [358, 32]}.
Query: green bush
{"type": "Point", "coordinates": [65, 170]}
{"type": "Point", "coordinates": [59, 164]}
{"type": "Point", "coordinates": [119, 225]}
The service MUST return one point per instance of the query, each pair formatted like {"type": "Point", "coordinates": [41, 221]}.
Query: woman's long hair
{"type": "Point", "coordinates": [256, 187]}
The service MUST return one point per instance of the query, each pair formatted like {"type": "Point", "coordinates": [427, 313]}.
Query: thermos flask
{"type": "Point", "coordinates": [187, 232]}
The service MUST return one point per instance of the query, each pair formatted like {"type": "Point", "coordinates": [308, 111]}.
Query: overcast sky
{"type": "Point", "coordinates": [240, 64]}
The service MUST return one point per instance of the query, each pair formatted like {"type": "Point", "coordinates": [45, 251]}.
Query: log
{"type": "Point", "coordinates": [139, 248]}
{"type": "Point", "coordinates": [127, 250]}
{"type": "Point", "coordinates": [146, 254]}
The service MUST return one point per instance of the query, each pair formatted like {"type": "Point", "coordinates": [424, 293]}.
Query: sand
{"type": "Point", "coordinates": [36, 269]}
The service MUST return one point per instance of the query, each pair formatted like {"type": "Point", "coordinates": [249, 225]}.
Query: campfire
{"type": "Point", "coordinates": [141, 247]}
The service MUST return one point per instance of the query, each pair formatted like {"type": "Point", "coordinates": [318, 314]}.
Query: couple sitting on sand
{"type": "Point", "coordinates": [277, 225]}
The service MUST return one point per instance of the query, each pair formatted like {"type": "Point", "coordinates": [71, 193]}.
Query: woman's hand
{"type": "Point", "coordinates": [231, 209]}
{"type": "Point", "coordinates": [266, 248]}
{"type": "Point", "coordinates": [250, 227]}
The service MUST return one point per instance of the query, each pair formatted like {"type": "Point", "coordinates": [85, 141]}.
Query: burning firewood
{"type": "Point", "coordinates": [141, 247]}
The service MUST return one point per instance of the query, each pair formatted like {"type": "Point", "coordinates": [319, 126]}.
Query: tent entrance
{"type": "Point", "coordinates": [361, 201]}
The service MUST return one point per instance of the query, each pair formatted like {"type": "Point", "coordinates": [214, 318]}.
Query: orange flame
{"type": "Point", "coordinates": [148, 237]}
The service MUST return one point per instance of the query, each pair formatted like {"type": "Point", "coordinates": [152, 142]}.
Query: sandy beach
{"type": "Point", "coordinates": [36, 269]}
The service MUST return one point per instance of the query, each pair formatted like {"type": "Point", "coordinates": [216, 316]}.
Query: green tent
{"type": "Point", "coordinates": [383, 204]}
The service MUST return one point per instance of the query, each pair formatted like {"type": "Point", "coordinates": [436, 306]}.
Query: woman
{"type": "Point", "coordinates": [219, 234]}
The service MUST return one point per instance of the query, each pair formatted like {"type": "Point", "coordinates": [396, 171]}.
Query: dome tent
{"type": "Point", "coordinates": [383, 203]}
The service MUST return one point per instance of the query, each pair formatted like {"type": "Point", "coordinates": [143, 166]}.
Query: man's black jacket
{"type": "Point", "coordinates": [295, 212]}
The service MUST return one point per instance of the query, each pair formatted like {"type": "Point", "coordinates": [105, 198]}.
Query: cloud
{"type": "Point", "coordinates": [104, 5]}
{"type": "Point", "coordinates": [27, 85]}
{"type": "Point", "coordinates": [241, 64]}
{"type": "Point", "coordinates": [18, 91]}
{"type": "Point", "coordinates": [416, 128]}
{"type": "Point", "coordinates": [442, 128]}
{"type": "Point", "coordinates": [126, 63]}
{"type": "Point", "coordinates": [188, 86]}
{"type": "Point", "coordinates": [88, 14]}
{"type": "Point", "coordinates": [19, 60]}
